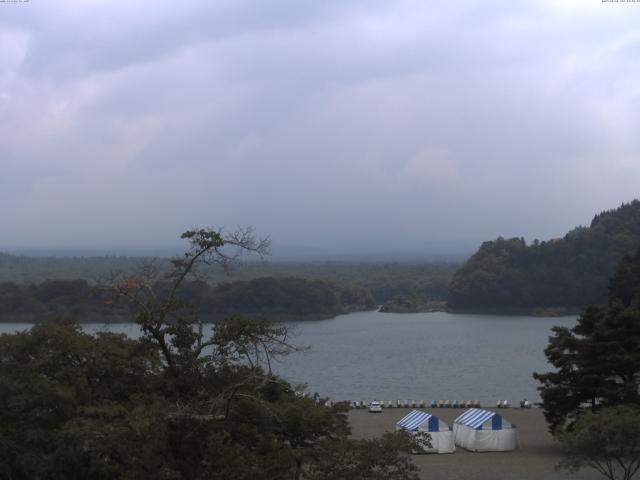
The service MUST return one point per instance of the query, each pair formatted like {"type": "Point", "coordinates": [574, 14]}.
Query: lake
{"type": "Point", "coordinates": [387, 356]}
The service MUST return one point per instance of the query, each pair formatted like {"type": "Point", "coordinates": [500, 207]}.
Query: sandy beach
{"type": "Point", "coordinates": [534, 460]}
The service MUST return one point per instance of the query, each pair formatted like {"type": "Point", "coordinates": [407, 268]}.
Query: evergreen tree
{"type": "Point", "coordinates": [598, 361]}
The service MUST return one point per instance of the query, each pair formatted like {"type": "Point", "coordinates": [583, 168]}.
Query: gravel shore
{"type": "Point", "coordinates": [534, 460]}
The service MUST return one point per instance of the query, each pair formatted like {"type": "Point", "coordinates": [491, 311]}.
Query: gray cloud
{"type": "Point", "coordinates": [334, 124]}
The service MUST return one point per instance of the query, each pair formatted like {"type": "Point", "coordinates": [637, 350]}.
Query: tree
{"type": "Point", "coordinates": [598, 361]}
{"type": "Point", "coordinates": [563, 274]}
{"type": "Point", "coordinates": [378, 459]}
{"type": "Point", "coordinates": [607, 441]}
{"type": "Point", "coordinates": [228, 375]}
{"type": "Point", "coordinates": [165, 318]}
{"type": "Point", "coordinates": [179, 403]}
{"type": "Point", "coordinates": [73, 405]}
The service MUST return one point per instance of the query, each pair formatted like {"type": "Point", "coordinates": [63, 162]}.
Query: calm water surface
{"type": "Point", "coordinates": [373, 355]}
{"type": "Point", "coordinates": [423, 356]}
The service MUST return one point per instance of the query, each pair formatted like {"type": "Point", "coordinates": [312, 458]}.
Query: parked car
{"type": "Point", "coordinates": [375, 407]}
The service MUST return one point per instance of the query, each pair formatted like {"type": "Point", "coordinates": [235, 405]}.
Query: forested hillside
{"type": "Point", "coordinates": [565, 274]}
{"type": "Point", "coordinates": [385, 280]}
{"type": "Point", "coordinates": [277, 297]}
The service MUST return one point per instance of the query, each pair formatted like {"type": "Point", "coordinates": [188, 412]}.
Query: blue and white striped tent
{"type": "Point", "coordinates": [484, 431]}
{"type": "Point", "coordinates": [441, 434]}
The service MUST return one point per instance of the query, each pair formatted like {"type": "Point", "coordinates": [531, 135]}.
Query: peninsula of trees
{"type": "Point", "coordinates": [557, 276]}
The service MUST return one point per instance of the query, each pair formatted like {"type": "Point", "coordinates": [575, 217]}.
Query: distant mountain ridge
{"type": "Point", "coordinates": [557, 276]}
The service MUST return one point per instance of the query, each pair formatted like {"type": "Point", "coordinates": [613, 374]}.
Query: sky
{"type": "Point", "coordinates": [336, 126]}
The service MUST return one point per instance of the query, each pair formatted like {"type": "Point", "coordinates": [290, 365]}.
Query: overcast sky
{"type": "Point", "coordinates": [343, 125]}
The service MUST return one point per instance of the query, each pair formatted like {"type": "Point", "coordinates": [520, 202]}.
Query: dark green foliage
{"type": "Point", "coordinates": [607, 441]}
{"type": "Point", "coordinates": [76, 406]}
{"type": "Point", "coordinates": [69, 400]}
{"type": "Point", "coordinates": [24, 269]}
{"type": "Point", "coordinates": [625, 283]}
{"type": "Point", "coordinates": [598, 361]}
{"type": "Point", "coordinates": [175, 404]}
{"type": "Point", "coordinates": [378, 459]}
{"type": "Point", "coordinates": [280, 297]}
{"type": "Point", "coordinates": [412, 304]}
{"type": "Point", "coordinates": [294, 296]}
{"type": "Point", "coordinates": [570, 272]}
{"type": "Point", "coordinates": [383, 280]}
{"type": "Point", "coordinates": [425, 280]}
{"type": "Point", "coordinates": [52, 297]}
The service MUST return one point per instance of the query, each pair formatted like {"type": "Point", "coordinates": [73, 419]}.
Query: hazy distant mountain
{"type": "Point", "coordinates": [86, 252]}
{"type": "Point", "coordinates": [450, 251]}
{"type": "Point", "coordinates": [568, 272]}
